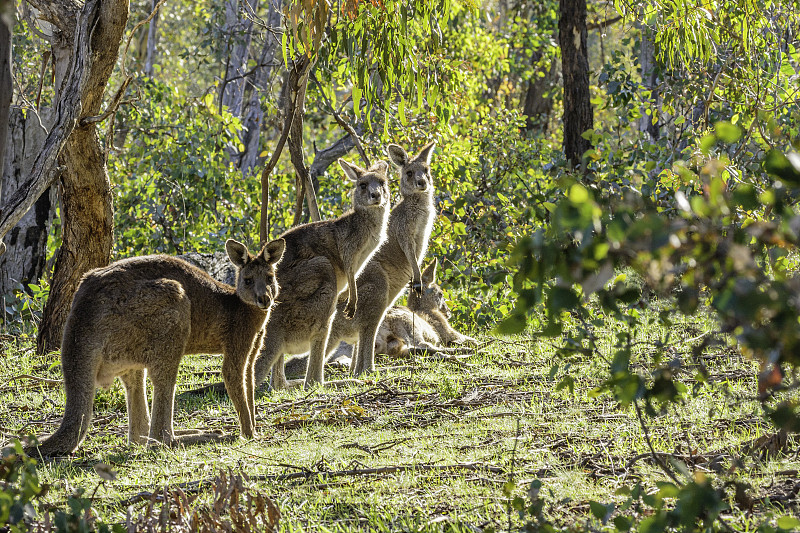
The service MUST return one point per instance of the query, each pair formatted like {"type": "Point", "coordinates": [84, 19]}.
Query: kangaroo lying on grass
{"type": "Point", "coordinates": [423, 326]}
{"type": "Point", "coordinates": [141, 315]}
{"type": "Point", "coordinates": [389, 270]}
{"type": "Point", "coordinates": [321, 260]}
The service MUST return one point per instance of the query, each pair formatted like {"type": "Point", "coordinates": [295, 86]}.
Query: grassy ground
{"type": "Point", "coordinates": [427, 446]}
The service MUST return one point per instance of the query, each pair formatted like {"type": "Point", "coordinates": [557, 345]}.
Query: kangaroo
{"type": "Point", "coordinates": [140, 316]}
{"type": "Point", "coordinates": [392, 266]}
{"type": "Point", "coordinates": [423, 325]}
{"type": "Point", "coordinates": [321, 260]}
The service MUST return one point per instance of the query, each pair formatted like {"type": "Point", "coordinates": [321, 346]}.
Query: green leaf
{"type": "Point", "coordinates": [727, 132]}
{"type": "Point", "coordinates": [785, 168]}
{"type": "Point", "coordinates": [788, 522]}
{"type": "Point", "coordinates": [578, 194]}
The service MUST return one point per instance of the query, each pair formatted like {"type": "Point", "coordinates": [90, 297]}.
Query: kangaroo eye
{"type": "Point", "coordinates": [363, 186]}
{"type": "Point", "coordinates": [248, 281]}
{"type": "Point", "coordinates": [409, 173]}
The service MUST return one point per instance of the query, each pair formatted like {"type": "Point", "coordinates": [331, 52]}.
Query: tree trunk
{"type": "Point", "coordinates": [239, 28]}
{"type": "Point", "coordinates": [152, 34]}
{"type": "Point", "coordinates": [6, 88]}
{"type": "Point", "coordinates": [25, 258]}
{"type": "Point", "coordinates": [538, 104]}
{"type": "Point", "coordinates": [253, 119]}
{"type": "Point", "coordinates": [298, 83]}
{"type": "Point", "coordinates": [86, 202]}
{"type": "Point", "coordinates": [647, 60]}
{"type": "Point", "coordinates": [578, 115]}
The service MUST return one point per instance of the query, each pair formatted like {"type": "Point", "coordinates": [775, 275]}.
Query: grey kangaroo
{"type": "Point", "coordinates": [423, 325]}
{"type": "Point", "coordinates": [390, 269]}
{"type": "Point", "coordinates": [321, 260]}
{"type": "Point", "coordinates": [140, 316]}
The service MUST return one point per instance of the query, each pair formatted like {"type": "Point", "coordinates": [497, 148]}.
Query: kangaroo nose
{"type": "Point", "coordinates": [421, 184]}
{"type": "Point", "coordinates": [262, 301]}
{"type": "Point", "coordinates": [375, 195]}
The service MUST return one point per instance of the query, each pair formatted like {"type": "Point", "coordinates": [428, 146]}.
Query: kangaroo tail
{"type": "Point", "coordinates": [79, 382]}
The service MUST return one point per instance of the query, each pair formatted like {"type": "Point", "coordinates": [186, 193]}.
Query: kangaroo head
{"type": "Point", "coordinates": [255, 274]}
{"type": "Point", "coordinates": [372, 184]}
{"type": "Point", "coordinates": [415, 174]}
{"type": "Point", "coordinates": [432, 297]}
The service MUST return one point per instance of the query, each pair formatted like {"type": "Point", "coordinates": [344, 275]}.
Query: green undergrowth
{"type": "Point", "coordinates": [428, 444]}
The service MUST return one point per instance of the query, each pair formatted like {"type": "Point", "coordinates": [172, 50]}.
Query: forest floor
{"type": "Point", "coordinates": [429, 445]}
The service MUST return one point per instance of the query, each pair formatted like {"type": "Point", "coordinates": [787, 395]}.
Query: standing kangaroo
{"type": "Point", "coordinates": [423, 325]}
{"type": "Point", "coordinates": [140, 316]}
{"type": "Point", "coordinates": [321, 260]}
{"type": "Point", "coordinates": [390, 269]}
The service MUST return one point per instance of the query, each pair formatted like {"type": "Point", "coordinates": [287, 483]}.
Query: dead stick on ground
{"type": "Point", "coordinates": [52, 382]}
{"type": "Point", "coordinates": [196, 486]}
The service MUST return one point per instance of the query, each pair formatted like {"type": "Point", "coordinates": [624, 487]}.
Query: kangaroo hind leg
{"type": "Point", "coordinates": [136, 398]}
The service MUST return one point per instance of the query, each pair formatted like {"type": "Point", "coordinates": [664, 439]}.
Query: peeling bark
{"type": "Point", "coordinates": [239, 28]}
{"type": "Point", "coordinates": [86, 202]}
{"type": "Point", "coordinates": [253, 119]}
{"type": "Point", "coordinates": [25, 259]}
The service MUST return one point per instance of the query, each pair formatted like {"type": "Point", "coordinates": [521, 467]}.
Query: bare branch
{"type": "Point", "coordinates": [344, 124]}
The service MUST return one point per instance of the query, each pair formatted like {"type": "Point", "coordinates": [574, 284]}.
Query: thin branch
{"type": "Point", "coordinates": [287, 125]}
{"type": "Point", "coordinates": [344, 124]}
{"type": "Point", "coordinates": [113, 106]}
{"type": "Point", "coordinates": [603, 24]}
{"type": "Point", "coordinates": [133, 32]}
{"type": "Point", "coordinates": [655, 455]}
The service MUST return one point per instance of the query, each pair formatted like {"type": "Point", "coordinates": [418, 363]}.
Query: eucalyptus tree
{"type": "Point", "coordinates": [84, 41]}
{"type": "Point", "coordinates": [578, 113]}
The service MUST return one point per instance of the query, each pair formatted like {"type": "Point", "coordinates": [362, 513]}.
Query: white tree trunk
{"type": "Point", "coordinates": [152, 33]}
{"type": "Point", "coordinates": [253, 118]}
{"type": "Point", "coordinates": [239, 28]}
{"type": "Point", "coordinates": [25, 257]}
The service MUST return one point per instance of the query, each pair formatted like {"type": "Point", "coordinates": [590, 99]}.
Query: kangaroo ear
{"type": "Point", "coordinates": [397, 155]}
{"type": "Point", "coordinates": [429, 274]}
{"type": "Point", "coordinates": [237, 252]}
{"type": "Point", "coordinates": [352, 171]}
{"type": "Point", "coordinates": [426, 153]}
{"type": "Point", "coordinates": [273, 251]}
{"type": "Point", "coordinates": [381, 167]}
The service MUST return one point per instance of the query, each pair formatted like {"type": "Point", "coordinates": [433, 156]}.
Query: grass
{"type": "Point", "coordinates": [501, 413]}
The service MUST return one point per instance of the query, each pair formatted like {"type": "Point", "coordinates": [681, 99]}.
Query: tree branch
{"type": "Point", "coordinates": [603, 23]}
{"type": "Point", "coordinates": [345, 125]}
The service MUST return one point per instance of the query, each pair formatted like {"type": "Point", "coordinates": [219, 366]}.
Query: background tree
{"type": "Point", "coordinates": [578, 114]}
{"type": "Point", "coordinates": [86, 205]}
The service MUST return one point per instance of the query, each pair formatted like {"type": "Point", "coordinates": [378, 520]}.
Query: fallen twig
{"type": "Point", "coordinates": [48, 381]}
{"type": "Point", "coordinates": [306, 474]}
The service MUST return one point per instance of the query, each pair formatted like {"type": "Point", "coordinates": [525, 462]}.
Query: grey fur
{"type": "Point", "coordinates": [322, 259]}
{"type": "Point", "coordinates": [390, 269]}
